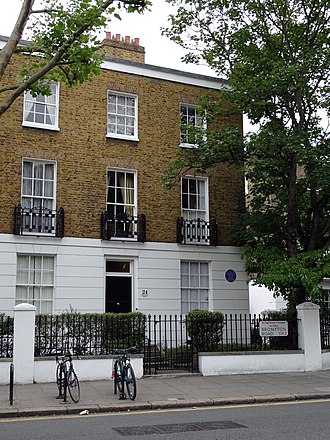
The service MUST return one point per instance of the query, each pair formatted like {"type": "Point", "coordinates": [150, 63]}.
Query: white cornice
{"type": "Point", "coordinates": [164, 73]}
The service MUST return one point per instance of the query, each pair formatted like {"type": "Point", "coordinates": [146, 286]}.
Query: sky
{"type": "Point", "coordinates": [160, 51]}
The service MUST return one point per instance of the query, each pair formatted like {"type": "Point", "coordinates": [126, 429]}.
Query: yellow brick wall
{"type": "Point", "coordinates": [83, 153]}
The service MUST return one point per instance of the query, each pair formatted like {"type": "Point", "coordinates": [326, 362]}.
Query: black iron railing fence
{"type": "Point", "coordinates": [325, 329]}
{"type": "Point", "coordinates": [6, 336]}
{"type": "Point", "coordinates": [241, 333]}
{"type": "Point", "coordinates": [165, 336]}
{"type": "Point", "coordinates": [88, 334]}
{"type": "Point", "coordinates": [166, 345]}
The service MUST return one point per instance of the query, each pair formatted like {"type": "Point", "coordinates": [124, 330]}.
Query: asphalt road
{"type": "Point", "coordinates": [291, 421]}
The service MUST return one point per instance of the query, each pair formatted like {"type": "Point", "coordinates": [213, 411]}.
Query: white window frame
{"type": "Point", "coordinates": [187, 119]}
{"type": "Point", "coordinates": [195, 286]}
{"type": "Point", "coordinates": [199, 198]}
{"type": "Point", "coordinates": [32, 278]}
{"type": "Point", "coordinates": [131, 206]}
{"type": "Point", "coordinates": [47, 201]}
{"type": "Point", "coordinates": [31, 104]}
{"type": "Point", "coordinates": [116, 115]}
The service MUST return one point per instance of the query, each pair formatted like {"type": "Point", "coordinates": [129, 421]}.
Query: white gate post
{"type": "Point", "coordinates": [24, 330]}
{"type": "Point", "coordinates": [309, 338]}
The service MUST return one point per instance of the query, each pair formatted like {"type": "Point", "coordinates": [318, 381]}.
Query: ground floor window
{"type": "Point", "coordinates": [35, 281]}
{"type": "Point", "coordinates": [194, 286]}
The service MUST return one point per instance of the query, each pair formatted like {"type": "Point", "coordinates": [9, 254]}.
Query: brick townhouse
{"type": "Point", "coordinates": [85, 222]}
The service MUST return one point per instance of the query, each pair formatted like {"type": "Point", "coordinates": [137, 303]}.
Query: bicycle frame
{"type": "Point", "coordinates": [64, 368]}
{"type": "Point", "coordinates": [123, 373]}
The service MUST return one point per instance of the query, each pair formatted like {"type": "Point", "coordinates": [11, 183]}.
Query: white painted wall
{"type": "Point", "coordinates": [86, 368]}
{"type": "Point", "coordinates": [80, 273]}
{"type": "Point", "coordinates": [215, 364]}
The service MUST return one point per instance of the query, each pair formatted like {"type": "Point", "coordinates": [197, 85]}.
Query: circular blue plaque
{"type": "Point", "coordinates": [230, 275]}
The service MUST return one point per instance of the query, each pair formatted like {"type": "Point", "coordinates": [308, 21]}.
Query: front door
{"type": "Point", "coordinates": [118, 291]}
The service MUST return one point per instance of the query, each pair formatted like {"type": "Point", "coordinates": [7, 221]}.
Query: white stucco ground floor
{"type": "Point", "coordinates": [90, 275]}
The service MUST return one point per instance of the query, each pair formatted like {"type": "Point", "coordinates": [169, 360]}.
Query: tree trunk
{"type": "Point", "coordinates": [297, 296]}
{"type": "Point", "coordinates": [292, 207]}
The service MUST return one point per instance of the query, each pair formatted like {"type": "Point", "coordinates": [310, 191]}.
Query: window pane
{"type": "Point", "coordinates": [184, 280]}
{"type": "Point", "coordinates": [184, 295]}
{"type": "Point", "coordinates": [118, 266]}
{"type": "Point", "coordinates": [21, 293]}
{"type": "Point", "coordinates": [204, 268]}
{"type": "Point", "coordinates": [27, 169]}
{"type": "Point", "coordinates": [204, 296]}
{"type": "Point", "coordinates": [47, 293]}
{"type": "Point", "coordinates": [49, 171]}
{"type": "Point", "coordinates": [22, 277]}
{"type": "Point", "coordinates": [204, 281]}
{"type": "Point", "coordinates": [194, 295]}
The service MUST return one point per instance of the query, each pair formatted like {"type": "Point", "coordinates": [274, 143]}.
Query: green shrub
{"type": "Point", "coordinates": [124, 330]}
{"type": "Point", "coordinates": [204, 329]}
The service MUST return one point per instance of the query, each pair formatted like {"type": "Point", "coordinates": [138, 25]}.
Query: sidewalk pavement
{"type": "Point", "coordinates": [168, 391]}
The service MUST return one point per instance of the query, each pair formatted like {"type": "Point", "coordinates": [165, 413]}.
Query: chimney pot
{"type": "Point", "coordinates": [127, 39]}
{"type": "Point", "coordinates": [117, 37]}
{"type": "Point", "coordinates": [137, 41]}
{"type": "Point", "coordinates": [108, 35]}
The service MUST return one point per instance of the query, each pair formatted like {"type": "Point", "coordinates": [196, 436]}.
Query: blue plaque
{"type": "Point", "coordinates": [230, 275]}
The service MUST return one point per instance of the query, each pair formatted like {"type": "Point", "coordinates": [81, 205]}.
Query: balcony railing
{"type": "Point", "coordinates": [124, 227]}
{"type": "Point", "coordinates": [38, 220]}
{"type": "Point", "coordinates": [197, 231]}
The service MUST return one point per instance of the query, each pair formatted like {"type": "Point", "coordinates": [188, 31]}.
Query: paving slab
{"type": "Point", "coordinates": [168, 391]}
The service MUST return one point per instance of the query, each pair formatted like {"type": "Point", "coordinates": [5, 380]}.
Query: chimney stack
{"type": "Point", "coordinates": [126, 48]}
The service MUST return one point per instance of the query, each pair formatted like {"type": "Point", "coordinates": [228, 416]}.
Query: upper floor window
{"type": "Point", "coordinates": [121, 203]}
{"type": "Point", "coordinates": [122, 120]}
{"type": "Point", "coordinates": [38, 195]}
{"type": "Point", "coordinates": [42, 111]}
{"type": "Point", "coordinates": [194, 198]}
{"type": "Point", "coordinates": [191, 123]}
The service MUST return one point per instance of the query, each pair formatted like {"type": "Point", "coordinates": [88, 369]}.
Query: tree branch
{"type": "Point", "coordinates": [7, 52]}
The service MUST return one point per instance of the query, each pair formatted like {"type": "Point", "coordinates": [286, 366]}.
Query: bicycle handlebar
{"type": "Point", "coordinates": [123, 350]}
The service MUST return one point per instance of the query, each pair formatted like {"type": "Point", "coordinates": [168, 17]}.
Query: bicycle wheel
{"type": "Point", "coordinates": [73, 386]}
{"type": "Point", "coordinates": [118, 378]}
{"type": "Point", "coordinates": [130, 382]}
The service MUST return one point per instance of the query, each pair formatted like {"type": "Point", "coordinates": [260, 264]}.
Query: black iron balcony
{"type": "Point", "coordinates": [38, 220]}
{"type": "Point", "coordinates": [123, 226]}
{"type": "Point", "coordinates": [197, 231]}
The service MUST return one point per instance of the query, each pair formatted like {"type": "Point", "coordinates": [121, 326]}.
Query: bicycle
{"type": "Point", "coordinates": [66, 378]}
{"type": "Point", "coordinates": [123, 373]}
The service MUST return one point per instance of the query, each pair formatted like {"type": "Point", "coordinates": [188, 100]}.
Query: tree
{"type": "Point", "coordinates": [276, 55]}
{"type": "Point", "coordinates": [62, 45]}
